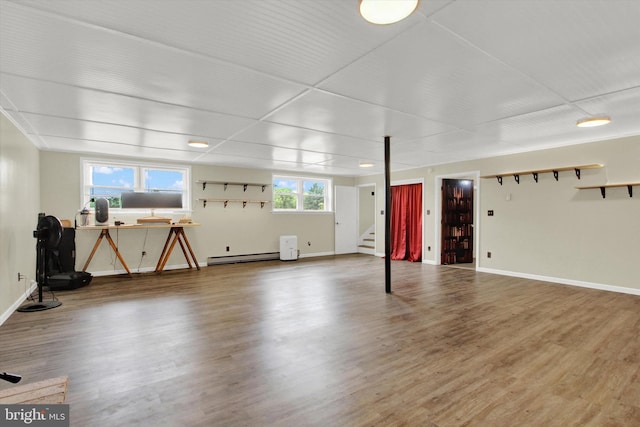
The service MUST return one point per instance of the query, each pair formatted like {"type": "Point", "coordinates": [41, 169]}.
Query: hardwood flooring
{"type": "Point", "coordinates": [317, 342]}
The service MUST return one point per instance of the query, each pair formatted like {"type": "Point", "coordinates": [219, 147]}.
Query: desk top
{"type": "Point", "coordinates": [136, 226]}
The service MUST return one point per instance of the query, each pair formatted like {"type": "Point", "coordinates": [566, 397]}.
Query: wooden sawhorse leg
{"type": "Point", "coordinates": [180, 237]}
{"type": "Point", "coordinates": [105, 233]}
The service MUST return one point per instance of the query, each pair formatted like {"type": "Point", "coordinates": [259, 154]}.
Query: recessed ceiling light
{"type": "Point", "coordinates": [198, 144]}
{"type": "Point", "coordinates": [366, 164]}
{"type": "Point", "coordinates": [384, 12]}
{"type": "Point", "coordinates": [591, 122]}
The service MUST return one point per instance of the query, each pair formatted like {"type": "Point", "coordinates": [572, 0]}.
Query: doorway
{"type": "Point", "coordinates": [457, 231]}
{"type": "Point", "coordinates": [367, 219]}
{"type": "Point", "coordinates": [406, 222]}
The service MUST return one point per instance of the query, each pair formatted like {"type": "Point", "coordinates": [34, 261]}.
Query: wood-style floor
{"type": "Point", "coordinates": [317, 342]}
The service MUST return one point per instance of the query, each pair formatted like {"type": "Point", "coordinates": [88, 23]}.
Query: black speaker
{"type": "Point", "coordinates": [102, 211]}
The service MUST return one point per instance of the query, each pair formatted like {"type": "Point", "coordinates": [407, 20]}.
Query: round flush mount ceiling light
{"type": "Point", "coordinates": [366, 164]}
{"type": "Point", "coordinates": [591, 122]}
{"type": "Point", "coordinates": [198, 144]}
{"type": "Point", "coordinates": [383, 12]}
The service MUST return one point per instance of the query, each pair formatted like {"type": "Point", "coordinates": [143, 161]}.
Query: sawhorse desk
{"type": "Point", "coordinates": [176, 235]}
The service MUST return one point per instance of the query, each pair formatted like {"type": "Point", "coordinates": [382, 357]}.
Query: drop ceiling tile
{"type": "Point", "coordinates": [309, 140]}
{"type": "Point", "coordinates": [45, 98]}
{"type": "Point", "coordinates": [295, 40]}
{"type": "Point", "coordinates": [43, 46]}
{"type": "Point", "coordinates": [120, 150]}
{"type": "Point", "coordinates": [431, 73]}
{"type": "Point", "coordinates": [80, 130]}
{"type": "Point", "coordinates": [269, 153]}
{"type": "Point", "coordinates": [577, 48]}
{"type": "Point", "coordinates": [326, 112]}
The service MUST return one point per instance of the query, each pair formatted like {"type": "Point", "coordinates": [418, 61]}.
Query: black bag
{"type": "Point", "coordinates": [60, 263]}
{"type": "Point", "coordinates": [68, 281]}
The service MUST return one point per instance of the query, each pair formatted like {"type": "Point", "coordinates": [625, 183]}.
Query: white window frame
{"type": "Point", "coordinates": [139, 181]}
{"type": "Point", "coordinates": [328, 206]}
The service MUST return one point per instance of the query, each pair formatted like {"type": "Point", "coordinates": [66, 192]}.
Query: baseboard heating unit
{"type": "Point", "coordinates": [233, 259]}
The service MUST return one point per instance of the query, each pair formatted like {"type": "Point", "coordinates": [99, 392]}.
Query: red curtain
{"type": "Point", "coordinates": [406, 222]}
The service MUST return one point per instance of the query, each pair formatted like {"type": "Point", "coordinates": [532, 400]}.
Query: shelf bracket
{"type": "Point", "coordinates": [499, 179]}
{"type": "Point", "coordinates": [535, 176]}
{"type": "Point", "coordinates": [244, 203]}
{"type": "Point", "coordinates": [204, 185]}
{"type": "Point", "coordinates": [225, 186]}
{"type": "Point", "coordinates": [603, 192]}
{"type": "Point", "coordinates": [225, 203]}
{"type": "Point", "coordinates": [577, 173]}
{"type": "Point", "coordinates": [555, 175]}
{"type": "Point", "coordinates": [517, 177]}
{"type": "Point", "coordinates": [261, 203]}
{"type": "Point", "coordinates": [204, 203]}
{"type": "Point", "coordinates": [263, 187]}
{"type": "Point", "coordinates": [244, 187]}
{"type": "Point", "coordinates": [629, 189]}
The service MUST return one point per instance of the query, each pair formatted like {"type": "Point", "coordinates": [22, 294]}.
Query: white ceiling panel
{"type": "Point", "coordinates": [577, 48]}
{"type": "Point", "coordinates": [64, 51]}
{"type": "Point", "coordinates": [261, 151]}
{"type": "Point", "coordinates": [327, 112]}
{"type": "Point", "coordinates": [120, 150]}
{"type": "Point", "coordinates": [293, 39]}
{"type": "Point", "coordinates": [308, 86]}
{"type": "Point", "coordinates": [53, 99]}
{"type": "Point", "coordinates": [410, 72]}
{"type": "Point", "coordinates": [304, 139]}
{"type": "Point", "coordinates": [49, 126]}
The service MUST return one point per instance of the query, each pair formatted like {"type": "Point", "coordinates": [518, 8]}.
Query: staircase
{"type": "Point", "coordinates": [367, 241]}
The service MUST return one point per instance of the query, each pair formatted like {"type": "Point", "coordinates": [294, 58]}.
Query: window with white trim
{"type": "Point", "coordinates": [101, 179]}
{"type": "Point", "coordinates": [300, 194]}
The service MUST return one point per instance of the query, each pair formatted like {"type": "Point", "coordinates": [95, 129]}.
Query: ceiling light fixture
{"type": "Point", "coordinates": [366, 164]}
{"type": "Point", "coordinates": [383, 12]}
{"type": "Point", "coordinates": [593, 122]}
{"type": "Point", "coordinates": [198, 144]}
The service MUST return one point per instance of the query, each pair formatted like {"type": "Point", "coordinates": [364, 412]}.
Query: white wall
{"type": "Point", "coordinates": [247, 230]}
{"type": "Point", "coordinates": [548, 230]}
{"type": "Point", "coordinates": [19, 207]}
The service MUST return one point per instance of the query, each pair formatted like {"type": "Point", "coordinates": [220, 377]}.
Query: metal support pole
{"type": "Point", "coordinates": [387, 215]}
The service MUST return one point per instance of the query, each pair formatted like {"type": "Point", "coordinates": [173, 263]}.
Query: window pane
{"type": "Point", "coordinates": [285, 193]}
{"type": "Point", "coordinates": [109, 181]}
{"type": "Point", "coordinates": [163, 180]}
{"type": "Point", "coordinates": [285, 201]}
{"type": "Point", "coordinates": [282, 185]}
{"type": "Point", "coordinates": [110, 176]}
{"type": "Point", "coordinates": [300, 194]}
{"type": "Point", "coordinates": [314, 192]}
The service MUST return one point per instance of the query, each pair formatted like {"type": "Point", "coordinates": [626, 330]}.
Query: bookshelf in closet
{"type": "Point", "coordinates": [457, 221]}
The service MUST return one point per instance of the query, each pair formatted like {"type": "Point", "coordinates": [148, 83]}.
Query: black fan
{"type": "Point", "coordinates": [49, 234]}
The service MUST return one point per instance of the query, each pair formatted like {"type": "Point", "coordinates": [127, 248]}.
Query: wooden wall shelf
{"type": "Point", "coordinates": [244, 185]}
{"type": "Point", "coordinates": [603, 187]}
{"type": "Point", "coordinates": [227, 201]}
{"type": "Point", "coordinates": [535, 173]}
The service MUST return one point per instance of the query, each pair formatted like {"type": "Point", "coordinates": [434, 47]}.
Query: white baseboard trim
{"type": "Point", "coordinates": [579, 283]}
{"type": "Point", "coordinates": [18, 303]}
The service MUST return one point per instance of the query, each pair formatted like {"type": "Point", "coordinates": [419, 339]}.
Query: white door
{"type": "Point", "coordinates": [346, 228]}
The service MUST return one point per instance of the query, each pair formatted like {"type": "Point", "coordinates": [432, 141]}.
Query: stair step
{"type": "Point", "coordinates": [369, 240]}
{"type": "Point", "coordinates": [366, 246]}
